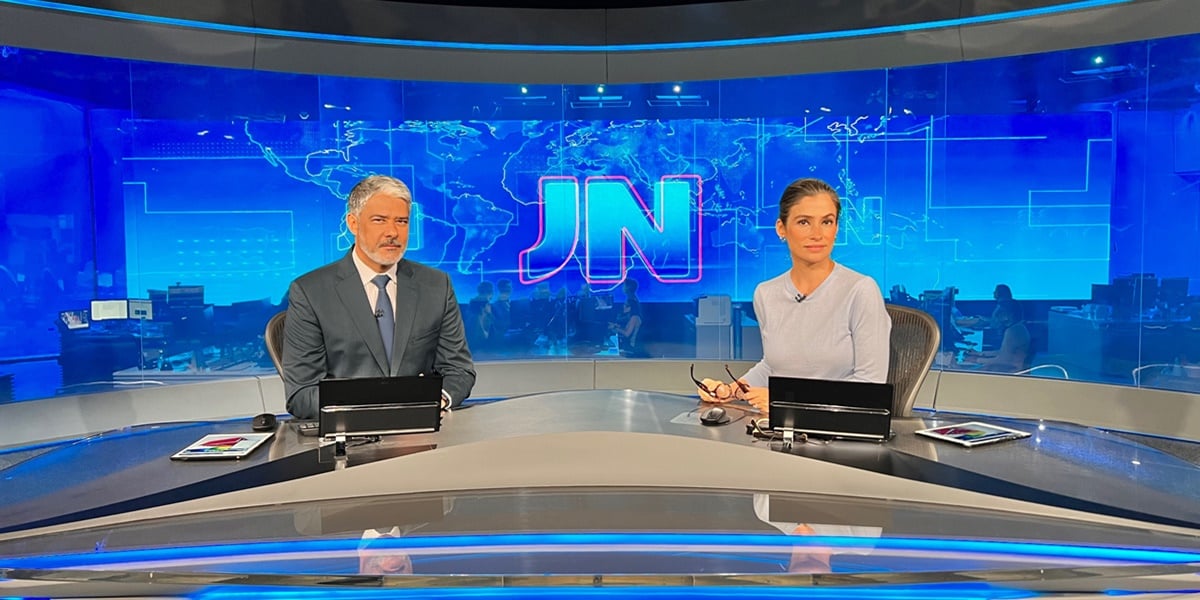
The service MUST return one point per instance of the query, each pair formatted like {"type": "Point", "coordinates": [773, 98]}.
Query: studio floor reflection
{"type": "Point", "coordinates": [609, 541]}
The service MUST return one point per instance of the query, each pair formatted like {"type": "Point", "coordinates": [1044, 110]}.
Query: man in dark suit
{"type": "Point", "coordinates": [373, 313]}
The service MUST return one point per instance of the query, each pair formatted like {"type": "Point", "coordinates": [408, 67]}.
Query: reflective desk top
{"type": "Point", "coordinates": [1061, 465]}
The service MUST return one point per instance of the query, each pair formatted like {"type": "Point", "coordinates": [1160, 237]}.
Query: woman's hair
{"type": "Point", "coordinates": [1003, 292]}
{"type": "Point", "coordinates": [633, 305]}
{"type": "Point", "coordinates": [803, 188]}
{"type": "Point", "coordinates": [1011, 310]}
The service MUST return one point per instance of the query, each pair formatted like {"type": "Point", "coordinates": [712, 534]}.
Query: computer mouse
{"type": "Point", "coordinates": [714, 416]}
{"type": "Point", "coordinates": [264, 422]}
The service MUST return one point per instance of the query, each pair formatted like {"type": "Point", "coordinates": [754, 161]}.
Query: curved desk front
{"type": "Point", "coordinates": [1062, 465]}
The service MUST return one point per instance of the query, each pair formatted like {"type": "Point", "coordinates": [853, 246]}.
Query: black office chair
{"type": "Point", "coordinates": [915, 340]}
{"type": "Point", "coordinates": [273, 336]}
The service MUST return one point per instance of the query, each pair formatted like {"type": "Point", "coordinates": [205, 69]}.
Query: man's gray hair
{"type": "Point", "coordinates": [372, 185]}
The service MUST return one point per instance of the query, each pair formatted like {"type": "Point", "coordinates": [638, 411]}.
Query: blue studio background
{"type": "Point", "coordinates": [1069, 176]}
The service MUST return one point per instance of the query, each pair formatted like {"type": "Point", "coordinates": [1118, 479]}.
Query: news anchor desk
{"type": "Point", "coordinates": [1062, 465]}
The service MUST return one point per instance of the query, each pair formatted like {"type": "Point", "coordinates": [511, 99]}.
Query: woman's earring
{"type": "Point", "coordinates": [781, 238]}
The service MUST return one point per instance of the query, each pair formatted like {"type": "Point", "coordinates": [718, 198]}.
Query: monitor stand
{"type": "Point", "coordinates": [340, 423]}
{"type": "Point", "coordinates": [791, 438]}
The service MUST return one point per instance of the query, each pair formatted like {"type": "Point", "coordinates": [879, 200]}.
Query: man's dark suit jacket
{"type": "Point", "coordinates": [330, 331]}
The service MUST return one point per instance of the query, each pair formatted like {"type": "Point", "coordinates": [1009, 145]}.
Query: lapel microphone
{"type": "Point", "coordinates": [800, 298]}
{"type": "Point", "coordinates": [379, 312]}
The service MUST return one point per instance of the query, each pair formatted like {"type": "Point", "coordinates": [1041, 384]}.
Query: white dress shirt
{"type": "Point", "coordinates": [367, 275]}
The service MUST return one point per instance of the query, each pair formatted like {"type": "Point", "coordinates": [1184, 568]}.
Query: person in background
{"type": "Point", "coordinates": [480, 320]}
{"type": "Point", "coordinates": [1002, 295]}
{"type": "Point", "coordinates": [819, 319]}
{"type": "Point", "coordinates": [1014, 352]}
{"type": "Point", "coordinates": [590, 324]}
{"type": "Point", "coordinates": [557, 327]}
{"type": "Point", "coordinates": [374, 313]}
{"type": "Point", "coordinates": [541, 309]}
{"type": "Point", "coordinates": [502, 313]}
{"type": "Point", "coordinates": [627, 328]}
{"type": "Point", "coordinates": [630, 287]}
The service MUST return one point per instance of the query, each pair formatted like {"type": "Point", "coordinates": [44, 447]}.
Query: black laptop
{"type": "Point", "coordinates": [379, 406]}
{"type": "Point", "coordinates": [834, 409]}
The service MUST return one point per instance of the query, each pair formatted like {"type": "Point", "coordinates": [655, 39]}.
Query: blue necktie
{"type": "Point", "coordinates": [383, 314]}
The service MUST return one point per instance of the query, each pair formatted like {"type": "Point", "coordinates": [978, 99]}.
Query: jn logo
{"type": "Point", "coordinates": [612, 219]}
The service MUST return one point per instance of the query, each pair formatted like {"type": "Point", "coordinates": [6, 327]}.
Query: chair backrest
{"type": "Point", "coordinates": [274, 340]}
{"type": "Point", "coordinates": [915, 340]}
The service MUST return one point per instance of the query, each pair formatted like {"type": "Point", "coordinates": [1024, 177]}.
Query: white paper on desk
{"type": "Point", "coordinates": [109, 309]}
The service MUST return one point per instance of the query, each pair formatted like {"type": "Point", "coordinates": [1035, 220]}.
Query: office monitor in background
{"type": "Point", "coordinates": [141, 309]}
{"type": "Point", "coordinates": [1173, 291]}
{"type": "Point", "coordinates": [1132, 294]}
{"type": "Point", "coordinates": [373, 406]}
{"type": "Point", "coordinates": [856, 410]}
{"type": "Point", "coordinates": [109, 310]}
{"type": "Point", "coordinates": [1102, 294]}
{"type": "Point", "coordinates": [185, 296]}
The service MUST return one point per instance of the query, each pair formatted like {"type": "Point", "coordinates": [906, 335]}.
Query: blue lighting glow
{"type": "Point", "coordinates": [783, 39]}
{"type": "Point", "coordinates": [607, 541]}
{"type": "Point", "coordinates": [940, 591]}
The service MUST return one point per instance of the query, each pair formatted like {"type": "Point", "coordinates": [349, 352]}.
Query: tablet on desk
{"type": "Point", "coordinates": [973, 433]}
{"type": "Point", "coordinates": [222, 445]}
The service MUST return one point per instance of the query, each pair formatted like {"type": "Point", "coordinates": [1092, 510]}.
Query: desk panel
{"type": "Point", "coordinates": [1063, 465]}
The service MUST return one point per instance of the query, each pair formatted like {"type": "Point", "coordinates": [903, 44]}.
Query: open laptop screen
{"type": "Point", "coordinates": [827, 408]}
{"type": "Point", "coordinates": [379, 406]}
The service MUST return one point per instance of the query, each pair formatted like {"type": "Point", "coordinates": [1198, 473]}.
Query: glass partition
{"type": "Point", "coordinates": [154, 214]}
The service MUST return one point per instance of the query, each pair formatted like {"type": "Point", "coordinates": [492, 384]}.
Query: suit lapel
{"type": "Point", "coordinates": [352, 293]}
{"type": "Point", "coordinates": [406, 304]}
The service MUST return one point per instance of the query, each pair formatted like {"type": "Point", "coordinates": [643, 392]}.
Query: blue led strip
{"type": "Point", "coordinates": [782, 39]}
{"type": "Point", "coordinates": [902, 592]}
{"type": "Point", "coordinates": [613, 541]}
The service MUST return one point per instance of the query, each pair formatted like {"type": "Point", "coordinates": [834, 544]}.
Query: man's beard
{"type": "Point", "coordinates": [375, 255]}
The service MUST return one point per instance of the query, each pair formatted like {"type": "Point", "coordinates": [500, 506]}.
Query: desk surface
{"type": "Point", "coordinates": [1062, 465]}
{"type": "Point", "coordinates": [616, 489]}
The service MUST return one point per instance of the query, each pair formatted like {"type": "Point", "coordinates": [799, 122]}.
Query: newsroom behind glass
{"type": "Point", "coordinates": [201, 192]}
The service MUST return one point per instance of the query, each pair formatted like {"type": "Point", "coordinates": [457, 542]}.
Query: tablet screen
{"type": "Point", "coordinates": [973, 433]}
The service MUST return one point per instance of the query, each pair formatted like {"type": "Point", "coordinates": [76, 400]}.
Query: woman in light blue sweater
{"type": "Point", "coordinates": [819, 320]}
